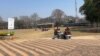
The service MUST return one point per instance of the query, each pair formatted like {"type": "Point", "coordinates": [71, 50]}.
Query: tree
{"type": "Point", "coordinates": [57, 14]}
{"type": "Point", "coordinates": [25, 21]}
{"type": "Point", "coordinates": [18, 23]}
{"type": "Point", "coordinates": [91, 10]}
{"type": "Point", "coordinates": [34, 18]}
{"type": "Point", "coordinates": [1, 19]}
{"type": "Point", "coordinates": [97, 6]}
{"type": "Point", "coordinates": [3, 24]}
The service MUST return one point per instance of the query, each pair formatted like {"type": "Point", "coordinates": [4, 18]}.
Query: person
{"type": "Point", "coordinates": [67, 33]}
{"type": "Point", "coordinates": [57, 33]}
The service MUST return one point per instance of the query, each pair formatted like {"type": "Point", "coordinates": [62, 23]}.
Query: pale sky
{"type": "Point", "coordinates": [44, 8]}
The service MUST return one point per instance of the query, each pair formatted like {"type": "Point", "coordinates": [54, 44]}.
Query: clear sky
{"type": "Point", "coordinates": [11, 8]}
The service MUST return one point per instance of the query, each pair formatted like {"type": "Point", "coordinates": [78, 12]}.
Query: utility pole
{"type": "Point", "coordinates": [76, 8]}
{"type": "Point", "coordinates": [76, 12]}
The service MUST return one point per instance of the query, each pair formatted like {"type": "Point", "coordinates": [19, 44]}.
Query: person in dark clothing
{"type": "Point", "coordinates": [56, 33]}
{"type": "Point", "coordinates": [67, 33]}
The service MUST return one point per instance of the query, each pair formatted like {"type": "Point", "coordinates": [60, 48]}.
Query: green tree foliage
{"type": "Point", "coordinates": [91, 9]}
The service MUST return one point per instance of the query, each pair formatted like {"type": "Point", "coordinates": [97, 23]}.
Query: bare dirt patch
{"type": "Point", "coordinates": [85, 51]}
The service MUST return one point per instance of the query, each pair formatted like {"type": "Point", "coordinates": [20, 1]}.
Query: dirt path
{"type": "Point", "coordinates": [49, 47]}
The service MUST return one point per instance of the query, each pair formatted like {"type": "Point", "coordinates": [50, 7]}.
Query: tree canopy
{"type": "Point", "coordinates": [57, 14]}
{"type": "Point", "coordinates": [91, 9]}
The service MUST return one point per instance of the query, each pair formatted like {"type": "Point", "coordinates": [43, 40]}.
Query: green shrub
{"type": "Point", "coordinates": [3, 34]}
{"type": "Point", "coordinates": [6, 33]}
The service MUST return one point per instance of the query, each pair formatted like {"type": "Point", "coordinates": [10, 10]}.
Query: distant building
{"type": "Point", "coordinates": [45, 25]}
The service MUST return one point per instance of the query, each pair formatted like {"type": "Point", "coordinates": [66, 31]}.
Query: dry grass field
{"type": "Point", "coordinates": [26, 34]}
{"type": "Point", "coordinates": [29, 42]}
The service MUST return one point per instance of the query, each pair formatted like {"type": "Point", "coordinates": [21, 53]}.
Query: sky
{"type": "Point", "coordinates": [44, 8]}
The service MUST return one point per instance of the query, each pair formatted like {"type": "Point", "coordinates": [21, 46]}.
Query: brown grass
{"type": "Point", "coordinates": [27, 34]}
